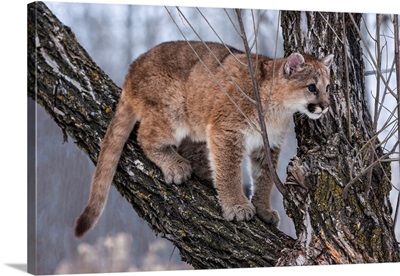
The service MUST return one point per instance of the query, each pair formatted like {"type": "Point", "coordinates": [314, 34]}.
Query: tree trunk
{"type": "Point", "coordinates": [81, 99]}
{"type": "Point", "coordinates": [345, 219]}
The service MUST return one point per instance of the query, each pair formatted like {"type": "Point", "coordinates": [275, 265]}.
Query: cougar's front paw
{"type": "Point", "coordinates": [177, 172]}
{"type": "Point", "coordinates": [238, 212]}
{"type": "Point", "coordinates": [269, 216]}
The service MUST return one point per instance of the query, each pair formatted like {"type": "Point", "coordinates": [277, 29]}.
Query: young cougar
{"type": "Point", "coordinates": [181, 90]}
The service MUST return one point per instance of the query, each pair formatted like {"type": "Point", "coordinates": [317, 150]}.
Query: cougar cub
{"type": "Point", "coordinates": [180, 90]}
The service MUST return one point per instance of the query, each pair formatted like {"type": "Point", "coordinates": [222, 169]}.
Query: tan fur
{"type": "Point", "coordinates": [175, 98]}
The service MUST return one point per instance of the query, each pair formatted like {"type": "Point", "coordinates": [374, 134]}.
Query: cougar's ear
{"type": "Point", "coordinates": [294, 63]}
{"type": "Point", "coordinates": [328, 60]}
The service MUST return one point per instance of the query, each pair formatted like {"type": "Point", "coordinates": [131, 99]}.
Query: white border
{"type": "Point", "coordinates": [13, 195]}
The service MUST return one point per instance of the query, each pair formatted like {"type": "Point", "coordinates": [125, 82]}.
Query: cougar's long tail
{"type": "Point", "coordinates": [111, 148]}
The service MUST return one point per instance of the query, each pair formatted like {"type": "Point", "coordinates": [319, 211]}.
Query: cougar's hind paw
{"type": "Point", "coordinates": [269, 216]}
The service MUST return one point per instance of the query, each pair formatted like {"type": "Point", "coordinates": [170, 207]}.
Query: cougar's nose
{"type": "Point", "coordinates": [324, 107]}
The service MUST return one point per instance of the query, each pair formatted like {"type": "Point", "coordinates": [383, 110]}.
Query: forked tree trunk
{"type": "Point", "coordinates": [81, 99]}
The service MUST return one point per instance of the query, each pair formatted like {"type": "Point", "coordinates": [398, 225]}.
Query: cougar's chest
{"type": "Point", "coordinates": [276, 135]}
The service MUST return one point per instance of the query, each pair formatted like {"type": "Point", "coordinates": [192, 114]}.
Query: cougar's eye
{"type": "Point", "coordinates": [327, 88]}
{"type": "Point", "coordinates": [312, 88]}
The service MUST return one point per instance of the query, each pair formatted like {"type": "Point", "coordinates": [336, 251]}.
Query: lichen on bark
{"type": "Point", "coordinates": [358, 222]}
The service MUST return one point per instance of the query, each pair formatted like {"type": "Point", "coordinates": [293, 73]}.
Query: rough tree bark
{"type": "Point", "coordinates": [81, 99]}
{"type": "Point", "coordinates": [349, 217]}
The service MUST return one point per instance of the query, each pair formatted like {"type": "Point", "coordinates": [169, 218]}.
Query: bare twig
{"type": "Point", "coordinates": [397, 58]}
{"type": "Point", "coordinates": [232, 22]}
{"type": "Point", "coordinates": [372, 144]}
{"type": "Point", "coordinates": [347, 81]}
{"type": "Point", "coordinates": [330, 26]}
{"type": "Point", "coordinates": [391, 124]}
{"type": "Point", "coordinates": [255, 28]}
{"type": "Point", "coordinates": [219, 38]}
{"type": "Point", "coordinates": [378, 70]}
{"type": "Point", "coordinates": [212, 53]}
{"type": "Point", "coordinates": [273, 64]}
{"type": "Point", "coordinates": [372, 152]}
{"type": "Point", "coordinates": [264, 133]}
{"type": "Point", "coordinates": [371, 166]}
{"type": "Point", "coordinates": [379, 64]}
{"type": "Point", "coordinates": [374, 72]}
{"type": "Point", "coordinates": [248, 120]}
{"type": "Point", "coordinates": [390, 71]}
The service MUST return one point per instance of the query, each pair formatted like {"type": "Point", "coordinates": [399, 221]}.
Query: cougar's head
{"type": "Point", "coordinates": [308, 79]}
